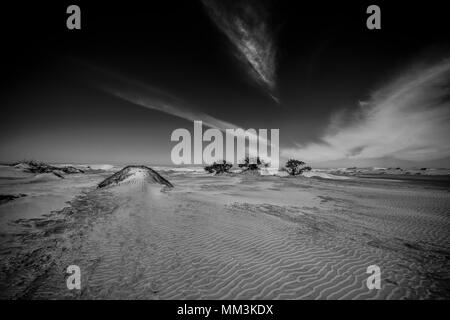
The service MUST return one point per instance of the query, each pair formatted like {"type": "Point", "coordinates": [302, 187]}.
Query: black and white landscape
{"type": "Point", "coordinates": [87, 176]}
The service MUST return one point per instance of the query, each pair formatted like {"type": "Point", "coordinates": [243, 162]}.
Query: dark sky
{"type": "Point", "coordinates": [54, 107]}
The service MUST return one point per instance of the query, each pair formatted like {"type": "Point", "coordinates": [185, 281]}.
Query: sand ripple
{"type": "Point", "coordinates": [142, 243]}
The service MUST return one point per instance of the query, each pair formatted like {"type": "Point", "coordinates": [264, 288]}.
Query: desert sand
{"type": "Point", "coordinates": [229, 236]}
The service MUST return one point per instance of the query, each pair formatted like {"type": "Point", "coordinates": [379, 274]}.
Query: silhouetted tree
{"type": "Point", "coordinates": [219, 167]}
{"type": "Point", "coordinates": [295, 167]}
{"type": "Point", "coordinates": [247, 164]}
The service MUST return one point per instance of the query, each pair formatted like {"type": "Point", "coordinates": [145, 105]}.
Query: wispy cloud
{"type": "Point", "coordinates": [408, 119]}
{"type": "Point", "coordinates": [152, 98]}
{"type": "Point", "coordinates": [155, 99]}
{"type": "Point", "coordinates": [144, 95]}
{"type": "Point", "coordinates": [245, 24]}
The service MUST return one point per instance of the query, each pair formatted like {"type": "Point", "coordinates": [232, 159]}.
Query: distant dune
{"type": "Point", "coordinates": [391, 171]}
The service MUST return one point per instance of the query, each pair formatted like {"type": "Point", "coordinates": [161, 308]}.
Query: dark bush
{"type": "Point", "coordinates": [219, 167]}
{"type": "Point", "coordinates": [247, 164]}
{"type": "Point", "coordinates": [41, 167]}
{"type": "Point", "coordinates": [295, 167]}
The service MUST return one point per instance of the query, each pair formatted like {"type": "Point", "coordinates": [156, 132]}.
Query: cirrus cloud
{"type": "Point", "coordinates": [245, 25]}
{"type": "Point", "coordinates": [408, 119]}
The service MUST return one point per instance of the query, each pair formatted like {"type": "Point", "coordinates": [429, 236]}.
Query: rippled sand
{"type": "Point", "coordinates": [236, 237]}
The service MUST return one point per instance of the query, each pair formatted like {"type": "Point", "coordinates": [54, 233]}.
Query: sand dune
{"type": "Point", "coordinates": [135, 175]}
{"type": "Point", "coordinates": [236, 237]}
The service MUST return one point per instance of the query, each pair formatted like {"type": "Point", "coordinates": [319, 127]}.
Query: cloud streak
{"type": "Point", "coordinates": [153, 98]}
{"type": "Point", "coordinates": [245, 25]}
{"type": "Point", "coordinates": [408, 119]}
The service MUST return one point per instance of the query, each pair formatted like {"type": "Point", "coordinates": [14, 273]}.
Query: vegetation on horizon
{"type": "Point", "coordinates": [295, 167]}
{"type": "Point", "coordinates": [219, 167]}
{"type": "Point", "coordinates": [247, 164]}
{"type": "Point", "coordinates": [42, 167]}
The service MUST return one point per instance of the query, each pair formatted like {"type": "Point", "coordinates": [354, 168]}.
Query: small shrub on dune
{"type": "Point", "coordinates": [34, 166]}
{"type": "Point", "coordinates": [248, 165]}
{"type": "Point", "coordinates": [219, 167]}
{"type": "Point", "coordinates": [296, 167]}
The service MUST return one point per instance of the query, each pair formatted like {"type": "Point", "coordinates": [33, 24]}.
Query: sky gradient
{"type": "Point", "coordinates": [114, 91]}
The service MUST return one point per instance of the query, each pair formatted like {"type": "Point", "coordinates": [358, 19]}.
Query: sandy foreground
{"type": "Point", "coordinates": [226, 237]}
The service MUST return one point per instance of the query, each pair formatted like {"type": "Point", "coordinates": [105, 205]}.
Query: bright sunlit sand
{"type": "Point", "coordinates": [228, 236]}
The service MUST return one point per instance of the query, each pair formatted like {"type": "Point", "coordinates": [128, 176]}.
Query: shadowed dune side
{"type": "Point", "coordinates": [134, 174]}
